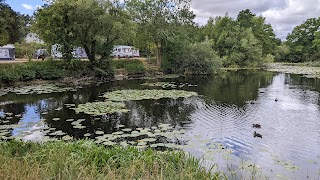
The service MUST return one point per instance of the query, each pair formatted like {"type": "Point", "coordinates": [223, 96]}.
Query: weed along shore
{"type": "Point", "coordinates": [86, 160]}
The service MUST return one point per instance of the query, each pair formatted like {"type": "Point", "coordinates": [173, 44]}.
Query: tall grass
{"type": "Point", "coordinates": [86, 160]}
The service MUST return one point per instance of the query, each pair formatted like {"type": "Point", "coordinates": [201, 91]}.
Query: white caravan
{"type": "Point", "coordinates": [78, 52]}
{"type": "Point", "coordinates": [124, 51]}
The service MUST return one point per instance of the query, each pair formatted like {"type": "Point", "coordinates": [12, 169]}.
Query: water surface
{"type": "Point", "coordinates": [217, 123]}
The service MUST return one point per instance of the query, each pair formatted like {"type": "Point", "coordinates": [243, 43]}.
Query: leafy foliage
{"type": "Point", "coordinates": [243, 42]}
{"type": "Point", "coordinates": [304, 40]}
{"type": "Point", "coordinates": [132, 66]}
{"type": "Point", "coordinates": [13, 25]}
{"type": "Point", "coordinates": [93, 25]}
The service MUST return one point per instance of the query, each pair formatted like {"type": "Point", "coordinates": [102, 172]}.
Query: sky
{"type": "Point", "coordinates": [283, 15]}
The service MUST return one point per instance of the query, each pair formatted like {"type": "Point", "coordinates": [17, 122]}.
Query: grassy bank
{"type": "Point", "coordinates": [86, 160]}
{"type": "Point", "coordinates": [52, 70]}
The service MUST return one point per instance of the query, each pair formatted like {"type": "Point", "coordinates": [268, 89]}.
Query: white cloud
{"type": "Point", "coordinates": [283, 15]}
{"type": "Point", "coordinates": [27, 6]}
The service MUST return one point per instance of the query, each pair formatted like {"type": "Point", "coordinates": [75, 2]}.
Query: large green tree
{"type": "Point", "coordinates": [261, 30]}
{"type": "Point", "coordinates": [13, 25]}
{"type": "Point", "coordinates": [158, 20]}
{"type": "Point", "coordinates": [302, 40]}
{"type": "Point", "coordinates": [92, 24]}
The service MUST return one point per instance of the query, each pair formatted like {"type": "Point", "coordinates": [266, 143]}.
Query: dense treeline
{"type": "Point", "coordinates": [166, 30]}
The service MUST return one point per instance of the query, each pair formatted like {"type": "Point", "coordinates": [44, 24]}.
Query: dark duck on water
{"type": "Point", "coordinates": [255, 134]}
{"type": "Point", "coordinates": [256, 125]}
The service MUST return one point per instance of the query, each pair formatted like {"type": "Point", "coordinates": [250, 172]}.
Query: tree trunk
{"type": "Point", "coordinates": [159, 56]}
{"type": "Point", "coordinates": [91, 53]}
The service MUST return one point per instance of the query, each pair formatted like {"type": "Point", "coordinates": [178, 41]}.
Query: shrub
{"type": "Point", "coordinates": [132, 66]}
{"type": "Point", "coordinates": [51, 70]}
{"type": "Point", "coordinates": [198, 58]}
{"type": "Point", "coordinates": [25, 50]}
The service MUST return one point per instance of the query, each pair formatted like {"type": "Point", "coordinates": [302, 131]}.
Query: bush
{"type": "Point", "coordinates": [25, 50]}
{"type": "Point", "coordinates": [51, 70]}
{"type": "Point", "coordinates": [198, 58]}
{"type": "Point", "coordinates": [132, 66]}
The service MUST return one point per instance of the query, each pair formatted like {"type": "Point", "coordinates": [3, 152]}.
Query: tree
{"type": "Point", "coordinates": [92, 24]}
{"type": "Point", "coordinates": [159, 19]}
{"type": "Point", "coordinates": [262, 31]}
{"type": "Point", "coordinates": [302, 40]}
{"type": "Point", "coordinates": [245, 18]}
{"type": "Point", "coordinates": [13, 26]}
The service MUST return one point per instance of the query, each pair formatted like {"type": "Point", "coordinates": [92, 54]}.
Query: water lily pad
{"type": "Point", "coordinates": [67, 138]}
{"type": "Point", "coordinates": [87, 135]}
{"type": "Point", "coordinates": [127, 95]}
{"type": "Point", "coordinates": [79, 127]}
{"type": "Point", "coordinates": [56, 119]}
{"type": "Point", "coordinates": [99, 132]}
{"type": "Point", "coordinates": [126, 130]}
{"type": "Point", "coordinates": [101, 108]}
{"type": "Point", "coordinates": [109, 143]}
{"type": "Point", "coordinates": [149, 140]}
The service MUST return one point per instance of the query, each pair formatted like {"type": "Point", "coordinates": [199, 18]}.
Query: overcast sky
{"type": "Point", "coordinates": [283, 15]}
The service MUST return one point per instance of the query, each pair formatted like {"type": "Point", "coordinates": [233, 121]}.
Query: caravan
{"type": "Point", "coordinates": [125, 51]}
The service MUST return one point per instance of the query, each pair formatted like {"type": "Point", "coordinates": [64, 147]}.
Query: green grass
{"type": "Point", "coordinates": [86, 160]}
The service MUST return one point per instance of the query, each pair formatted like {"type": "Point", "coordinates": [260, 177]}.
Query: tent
{"type": "Point", "coordinates": [7, 52]}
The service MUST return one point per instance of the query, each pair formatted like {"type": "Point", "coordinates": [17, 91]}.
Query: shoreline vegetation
{"type": "Point", "coordinates": [67, 72]}
{"type": "Point", "coordinates": [85, 160]}
{"type": "Point", "coordinates": [308, 70]}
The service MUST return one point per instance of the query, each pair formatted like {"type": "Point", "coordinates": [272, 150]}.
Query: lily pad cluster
{"type": "Point", "coordinates": [163, 136]}
{"type": "Point", "coordinates": [309, 72]}
{"type": "Point", "coordinates": [101, 108]}
{"type": "Point", "coordinates": [127, 95]}
{"type": "Point", "coordinates": [36, 89]}
{"type": "Point", "coordinates": [168, 85]}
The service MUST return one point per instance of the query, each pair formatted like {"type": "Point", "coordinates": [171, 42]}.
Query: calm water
{"type": "Point", "coordinates": [220, 118]}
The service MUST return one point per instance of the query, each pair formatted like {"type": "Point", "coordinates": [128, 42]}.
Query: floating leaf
{"type": "Point", "coordinates": [99, 132]}
{"type": "Point", "coordinates": [127, 95]}
{"type": "Point", "coordinates": [101, 108]}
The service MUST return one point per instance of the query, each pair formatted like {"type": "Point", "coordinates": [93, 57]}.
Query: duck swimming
{"type": "Point", "coordinates": [256, 125]}
{"type": "Point", "coordinates": [255, 134]}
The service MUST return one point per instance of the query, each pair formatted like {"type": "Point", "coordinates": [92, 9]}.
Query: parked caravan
{"type": "Point", "coordinates": [125, 51]}
{"type": "Point", "coordinates": [78, 52]}
{"type": "Point", "coordinates": [7, 52]}
{"type": "Point", "coordinates": [40, 54]}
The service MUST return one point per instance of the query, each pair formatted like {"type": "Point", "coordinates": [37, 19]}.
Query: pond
{"type": "Point", "coordinates": [214, 122]}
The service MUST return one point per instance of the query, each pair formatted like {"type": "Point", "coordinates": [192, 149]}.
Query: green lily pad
{"type": "Point", "coordinates": [126, 130]}
{"type": "Point", "coordinates": [101, 108]}
{"type": "Point", "coordinates": [99, 132]}
{"type": "Point", "coordinates": [67, 138]}
{"type": "Point", "coordinates": [127, 95]}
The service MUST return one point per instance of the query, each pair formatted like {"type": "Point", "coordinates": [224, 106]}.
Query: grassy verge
{"type": "Point", "coordinates": [86, 160]}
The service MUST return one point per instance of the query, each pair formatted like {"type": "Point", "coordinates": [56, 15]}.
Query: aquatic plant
{"type": "Point", "coordinates": [127, 95]}
{"type": "Point", "coordinates": [101, 108]}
